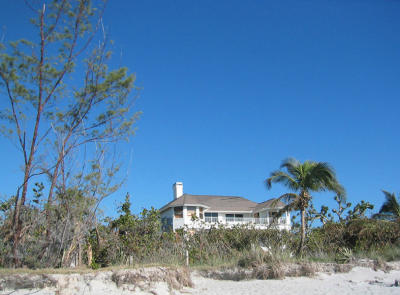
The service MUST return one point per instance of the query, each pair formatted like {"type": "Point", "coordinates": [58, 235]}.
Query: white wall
{"type": "Point", "coordinates": [169, 213]}
{"type": "Point", "coordinates": [186, 220]}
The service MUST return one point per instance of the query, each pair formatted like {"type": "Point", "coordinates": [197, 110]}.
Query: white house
{"type": "Point", "coordinates": [204, 211]}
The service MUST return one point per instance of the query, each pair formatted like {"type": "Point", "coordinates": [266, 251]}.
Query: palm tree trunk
{"type": "Point", "coordinates": [303, 231]}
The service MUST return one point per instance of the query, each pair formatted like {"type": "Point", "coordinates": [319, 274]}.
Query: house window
{"type": "Point", "coordinates": [166, 224]}
{"type": "Point", "coordinates": [211, 217]}
{"type": "Point", "coordinates": [191, 211]}
{"type": "Point", "coordinates": [233, 217]}
{"type": "Point", "coordinates": [178, 212]}
{"type": "Point", "coordinates": [275, 217]}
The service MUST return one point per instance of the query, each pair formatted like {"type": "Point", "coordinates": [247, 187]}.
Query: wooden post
{"type": "Point", "coordinates": [89, 254]}
{"type": "Point", "coordinates": [130, 260]}
{"type": "Point", "coordinates": [79, 254]}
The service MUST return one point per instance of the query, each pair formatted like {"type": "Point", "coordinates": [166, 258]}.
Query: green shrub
{"type": "Point", "coordinates": [358, 236]}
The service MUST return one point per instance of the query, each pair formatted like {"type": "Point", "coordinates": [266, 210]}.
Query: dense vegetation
{"type": "Point", "coordinates": [137, 239]}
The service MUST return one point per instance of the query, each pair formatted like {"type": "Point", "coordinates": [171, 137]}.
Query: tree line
{"type": "Point", "coordinates": [80, 237]}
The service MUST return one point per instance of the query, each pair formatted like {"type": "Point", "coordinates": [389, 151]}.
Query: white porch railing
{"type": "Point", "coordinates": [281, 220]}
{"type": "Point", "coordinates": [231, 221]}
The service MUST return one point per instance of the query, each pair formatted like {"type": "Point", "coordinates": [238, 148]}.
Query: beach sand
{"type": "Point", "coordinates": [359, 281]}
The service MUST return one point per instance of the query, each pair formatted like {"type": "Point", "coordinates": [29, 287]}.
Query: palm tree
{"type": "Point", "coordinates": [390, 208]}
{"type": "Point", "coordinates": [303, 178]}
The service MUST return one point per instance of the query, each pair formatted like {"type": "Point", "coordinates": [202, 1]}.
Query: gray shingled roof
{"type": "Point", "coordinates": [272, 203]}
{"type": "Point", "coordinates": [218, 203]}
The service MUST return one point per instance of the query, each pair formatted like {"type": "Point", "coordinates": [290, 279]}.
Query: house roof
{"type": "Point", "coordinates": [272, 203]}
{"type": "Point", "coordinates": [220, 203]}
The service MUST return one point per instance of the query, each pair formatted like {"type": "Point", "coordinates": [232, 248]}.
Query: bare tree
{"type": "Point", "coordinates": [61, 95]}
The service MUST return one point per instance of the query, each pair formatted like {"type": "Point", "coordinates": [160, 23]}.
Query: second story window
{"type": "Point", "coordinates": [191, 211]}
{"type": "Point", "coordinates": [211, 217]}
{"type": "Point", "coordinates": [234, 217]}
{"type": "Point", "coordinates": [178, 212]}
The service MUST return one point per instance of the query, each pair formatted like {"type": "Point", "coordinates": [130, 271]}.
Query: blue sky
{"type": "Point", "coordinates": [231, 88]}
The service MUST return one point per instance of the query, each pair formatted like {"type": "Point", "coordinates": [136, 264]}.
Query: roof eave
{"type": "Point", "coordinates": [231, 211]}
{"type": "Point", "coordinates": [186, 205]}
{"type": "Point", "coordinates": [267, 209]}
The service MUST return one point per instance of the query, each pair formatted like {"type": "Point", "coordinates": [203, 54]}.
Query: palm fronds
{"type": "Point", "coordinates": [390, 208]}
{"type": "Point", "coordinates": [303, 178]}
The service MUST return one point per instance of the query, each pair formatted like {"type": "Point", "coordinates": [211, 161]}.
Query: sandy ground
{"type": "Point", "coordinates": [359, 281]}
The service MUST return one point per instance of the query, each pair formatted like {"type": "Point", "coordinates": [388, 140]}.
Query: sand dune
{"type": "Point", "coordinates": [360, 280]}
